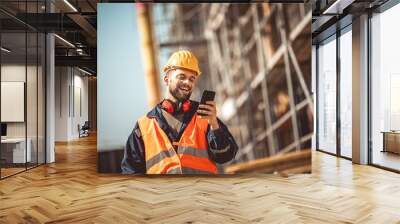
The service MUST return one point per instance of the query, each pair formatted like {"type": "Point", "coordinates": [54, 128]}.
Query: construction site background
{"type": "Point", "coordinates": [257, 58]}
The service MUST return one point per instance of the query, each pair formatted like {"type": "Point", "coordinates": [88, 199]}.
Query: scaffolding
{"type": "Point", "coordinates": [257, 57]}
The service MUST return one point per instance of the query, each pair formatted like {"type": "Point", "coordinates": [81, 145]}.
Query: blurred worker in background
{"type": "Point", "coordinates": [173, 138]}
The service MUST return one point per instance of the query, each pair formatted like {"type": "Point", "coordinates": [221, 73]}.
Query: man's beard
{"type": "Point", "coordinates": [178, 95]}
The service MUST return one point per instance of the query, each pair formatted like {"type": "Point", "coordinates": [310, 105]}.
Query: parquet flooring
{"type": "Point", "coordinates": [71, 191]}
{"type": "Point", "coordinates": [10, 171]}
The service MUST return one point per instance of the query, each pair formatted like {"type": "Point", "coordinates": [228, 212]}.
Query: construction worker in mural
{"type": "Point", "coordinates": [173, 138]}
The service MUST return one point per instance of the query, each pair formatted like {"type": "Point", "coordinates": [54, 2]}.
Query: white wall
{"type": "Point", "coordinates": [12, 73]}
{"type": "Point", "coordinates": [79, 117]}
{"type": "Point", "coordinates": [61, 103]}
{"type": "Point", "coordinates": [70, 84]}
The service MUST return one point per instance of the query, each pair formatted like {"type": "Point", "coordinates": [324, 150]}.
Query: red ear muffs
{"type": "Point", "coordinates": [186, 106]}
{"type": "Point", "coordinates": [168, 106]}
{"type": "Point", "coordinates": [171, 108]}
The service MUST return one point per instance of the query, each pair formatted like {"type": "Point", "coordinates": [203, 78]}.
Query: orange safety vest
{"type": "Point", "coordinates": [190, 155]}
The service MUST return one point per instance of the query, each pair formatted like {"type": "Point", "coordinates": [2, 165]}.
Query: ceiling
{"type": "Point", "coordinates": [73, 21]}
{"type": "Point", "coordinates": [332, 15]}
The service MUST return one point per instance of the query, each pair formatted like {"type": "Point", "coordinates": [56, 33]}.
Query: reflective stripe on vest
{"type": "Point", "coordinates": [190, 155]}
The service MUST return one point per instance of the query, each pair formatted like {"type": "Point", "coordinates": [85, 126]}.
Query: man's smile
{"type": "Point", "coordinates": [185, 90]}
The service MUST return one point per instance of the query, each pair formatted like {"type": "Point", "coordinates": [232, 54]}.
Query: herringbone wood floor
{"type": "Point", "coordinates": [71, 191]}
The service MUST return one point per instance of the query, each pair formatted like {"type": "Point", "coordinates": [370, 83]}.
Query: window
{"type": "Point", "coordinates": [327, 95]}
{"type": "Point", "coordinates": [346, 92]}
{"type": "Point", "coordinates": [385, 89]}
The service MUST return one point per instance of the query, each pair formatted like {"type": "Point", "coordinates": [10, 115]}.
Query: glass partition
{"type": "Point", "coordinates": [41, 91]}
{"type": "Point", "coordinates": [13, 94]}
{"type": "Point", "coordinates": [31, 100]}
{"type": "Point", "coordinates": [22, 88]}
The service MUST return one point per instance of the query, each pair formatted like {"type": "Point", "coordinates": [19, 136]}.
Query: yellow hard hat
{"type": "Point", "coordinates": [182, 59]}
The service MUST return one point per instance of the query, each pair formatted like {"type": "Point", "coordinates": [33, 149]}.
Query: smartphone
{"type": "Point", "coordinates": [207, 96]}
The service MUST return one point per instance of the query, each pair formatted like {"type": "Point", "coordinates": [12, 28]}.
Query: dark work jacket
{"type": "Point", "coordinates": [222, 146]}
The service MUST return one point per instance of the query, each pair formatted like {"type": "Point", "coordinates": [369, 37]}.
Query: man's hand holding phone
{"type": "Point", "coordinates": [207, 109]}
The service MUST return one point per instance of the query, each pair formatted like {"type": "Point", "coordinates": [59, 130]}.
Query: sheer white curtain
{"type": "Point", "coordinates": [346, 94]}
{"type": "Point", "coordinates": [327, 96]}
{"type": "Point", "coordinates": [385, 80]}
